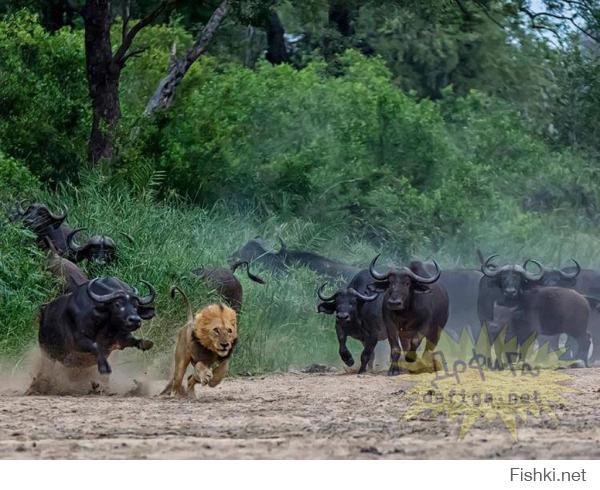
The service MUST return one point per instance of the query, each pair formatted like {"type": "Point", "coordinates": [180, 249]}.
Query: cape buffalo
{"type": "Point", "coordinates": [321, 265]}
{"type": "Point", "coordinates": [70, 275]}
{"type": "Point", "coordinates": [257, 251]}
{"type": "Point", "coordinates": [82, 328]}
{"type": "Point", "coordinates": [347, 304]}
{"type": "Point", "coordinates": [46, 225]}
{"type": "Point", "coordinates": [413, 306]}
{"type": "Point", "coordinates": [548, 311]}
{"type": "Point", "coordinates": [226, 284]}
{"type": "Point", "coordinates": [587, 283]}
{"type": "Point", "coordinates": [503, 286]}
{"type": "Point", "coordinates": [100, 249]}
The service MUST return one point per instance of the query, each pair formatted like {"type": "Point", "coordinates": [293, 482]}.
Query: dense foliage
{"type": "Point", "coordinates": [409, 127]}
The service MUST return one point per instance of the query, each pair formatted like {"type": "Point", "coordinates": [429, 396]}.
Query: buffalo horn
{"type": "Point", "coordinates": [71, 240]}
{"type": "Point", "coordinates": [146, 300]}
{"type": "Point", "coordinates": [422, 279]}
{"type": "Point", "coordinates": [103, 298]}
{"type": "Point", "coordinates": [530, 276]}
{"type": "Point", "coordinates": [571, 275]}
{"type": "Point", "coordinates": [364, 297]}
{"type": "Point", "coordinates": [490, 270]}
{"type": "Point", "coordinates": [58, 217]}
{"type": "Point", "coordinates": [374, 273]}
{"type": "Point", "coordinates": [325, 298]}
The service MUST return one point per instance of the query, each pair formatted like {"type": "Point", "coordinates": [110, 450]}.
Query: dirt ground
{"type": "Point", "coordinates": [311, 416]}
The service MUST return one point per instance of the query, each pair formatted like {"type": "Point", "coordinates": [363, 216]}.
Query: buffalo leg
{"type": "Point", "coordinates": [367, 354]}
{"type": "Point", "coordinates": [584, 343]}
{"type": "Point", "coordinates": [131, 341]}
{"type": "Point", "coordinates": [344, 352]}
{"type": "Point", "coordinates": [88, 345]}
{"type": "Point", "coordinates": [392, 334]}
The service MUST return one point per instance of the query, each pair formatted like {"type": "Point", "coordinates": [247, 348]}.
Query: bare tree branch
{"type": "Point", "coordinates": [165, 92]}
{"type": "Point", "coordinates": [133, 53]}
{"type": "Point", "coordinates": [126, 15]}
{"type": "Point", "coordinates": [130, 35]}
{"type": "Point", "coordinates": [533, 16]}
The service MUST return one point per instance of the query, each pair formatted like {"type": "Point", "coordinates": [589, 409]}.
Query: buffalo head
{"type": "Point", "coordinates": [119, 304]}
{"type": "Point", "coordinates": [398, 285]}
{"type": "Point", "coordinates": [100, 249]}
{"type": "Point", "coordinates": [511, 279]}
{"type": "Point", "coordinates": [39, 219]}
{"type": "Point", "coordinates": [257, 250]}
{"type": "Point", "coordinates": [559, 277]}
{"type": "Point", "coordinates": [344, 303]}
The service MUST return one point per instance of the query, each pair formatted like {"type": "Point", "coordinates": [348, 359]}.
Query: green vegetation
{"type": "Point", "coordinates": [420, 132]}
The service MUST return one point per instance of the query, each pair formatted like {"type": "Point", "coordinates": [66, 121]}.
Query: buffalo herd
{"type": "Point", "coordinates": [405, 305]}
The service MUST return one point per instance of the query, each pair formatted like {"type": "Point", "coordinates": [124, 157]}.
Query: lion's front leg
{"type": "Point", "coordinates": [219, 373]}
{"type": "Point", "coordinates": [203, 374]}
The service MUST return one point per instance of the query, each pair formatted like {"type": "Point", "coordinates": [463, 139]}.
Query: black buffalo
{"type": "Point", "coordinates": [348, 305]}
{"type": "Point", "coordinates": [99, 249]}
{"type": "Point", "coordinates": [587, 283]}
{"type": "Point", "coordinates": [46, 225]}
{"type": "Point", "coordinates": [548, 311]}
{"type": "Point", "coordinates": [414, 306]}
{"type": "Point", "coordinates": [315, 262]}
{"type": "Point", "coordinates": [503, 285]}
{"type": "Point", "coordinates": [225, 283]}
{"type": "Point", "coordinates": [66, 271]}
{"type": "Point", "coordinates": [82, 328]}
{"type": "Point", "coordinates": [256, 250]}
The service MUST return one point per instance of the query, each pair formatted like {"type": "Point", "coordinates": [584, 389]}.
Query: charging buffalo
{"type": "Point", "coordinates": [226, 284]}
{"type": "Point", "coordinates": [256, 250]}
{"type": "Point", "coordinates": [347, 304]}
{"type": "Point", "coordinates": [46, 225]}
{"type": "Point", "coordinates": [503, 285]}
{"type": "Point", "coordinates": [414, 306]}
{"type": "Point", "coordinates": [548, 311]}
{"type": "Point", "coordinates": [82, 328]}
{"type": "Point", "coordinates": [587, 283]}
{"type": "Point", "coordinates": [66, 271]}
{"type": "Point", "coordinates": [99, 249]}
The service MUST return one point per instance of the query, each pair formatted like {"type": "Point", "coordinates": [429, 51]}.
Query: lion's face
{"type": "Point", "coordinates": [216, 328]}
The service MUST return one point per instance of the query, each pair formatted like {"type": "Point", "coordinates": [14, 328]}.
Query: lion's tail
{"type": "Point", "coordinates": [190, 314]}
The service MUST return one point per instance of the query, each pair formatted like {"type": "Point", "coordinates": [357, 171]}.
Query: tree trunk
{"type": "Point", "coordinates": [277, 51]}
{"type": "Point", "coordinates": [165, 92]}
{"type": "Point", "coordinates": [103, 79]}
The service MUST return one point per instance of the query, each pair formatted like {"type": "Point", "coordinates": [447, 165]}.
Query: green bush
{"type": "Point", "coordinates": [43, 94]}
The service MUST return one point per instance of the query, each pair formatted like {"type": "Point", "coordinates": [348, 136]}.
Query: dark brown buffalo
{"type": "Point", "coordinates": [81, 328]}
{"type": "Point", "coordinates": [348, 304]}
{"type": "Point", "coordinates": [68, 273]}
{"type": "Point", "coordinates": [503, 285]}
{"type": "Point", "coordinates": [256, 250]}
{"type": "Point", "coordinates": [46, 225]}
{"type": "Point", "coordinates": [587, 283]}
{"type": "Point", "coordinates": [225, 283]}
{"type": "Point", "coordinates": [414, 306]}
{"type": "Point", "coordinates": [315, 262]}
{"type": "Point", "coordinates": [99, 249]}
{"type": "Point", "coordinates": [548, 311]}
